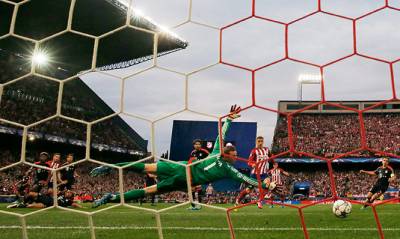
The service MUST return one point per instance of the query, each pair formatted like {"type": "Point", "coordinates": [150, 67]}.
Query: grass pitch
{"type": "Point", "coordinates": [249, 222]}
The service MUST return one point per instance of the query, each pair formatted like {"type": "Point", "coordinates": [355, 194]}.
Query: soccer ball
{"type": "Point", "coordinates": [341, 208]}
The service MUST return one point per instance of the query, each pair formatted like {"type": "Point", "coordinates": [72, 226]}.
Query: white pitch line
{"type": "Point", "coordinates": [202, 228]}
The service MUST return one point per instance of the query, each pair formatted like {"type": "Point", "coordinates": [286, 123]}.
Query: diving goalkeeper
{"type": "Point", "coordinates": [172, 177]}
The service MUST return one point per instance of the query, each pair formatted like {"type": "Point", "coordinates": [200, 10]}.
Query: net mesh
{"type": "Point", "coordinates": [292, 150]}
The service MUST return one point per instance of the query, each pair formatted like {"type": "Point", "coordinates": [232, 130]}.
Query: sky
{"type": "Point", "coordinates": [319, 39]}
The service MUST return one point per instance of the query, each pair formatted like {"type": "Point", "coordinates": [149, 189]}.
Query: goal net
{"type": "Point", "coordinates": [68, 85]}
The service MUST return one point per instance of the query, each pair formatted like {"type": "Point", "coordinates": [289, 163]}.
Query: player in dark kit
{"type": "Point", "coordinates": [21, 188]}
{"type": "Point", "coordinates": [66, 199]}
{"type": "Point", "coordinates": [43, 200]}
{"type": "Point", "coordinates": [385, 175]}
{"type": "Point", "coordinates": [68, 174]}
{"type": "Point", "coordinates": [41, 176]}
{"type": "Point", "coordinates": [150, 180]}
{"type": "Point", "coordinates": [198, 153]}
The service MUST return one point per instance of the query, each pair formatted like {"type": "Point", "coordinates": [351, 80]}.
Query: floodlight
{"type": "Point", "coordinates": [40, 58]}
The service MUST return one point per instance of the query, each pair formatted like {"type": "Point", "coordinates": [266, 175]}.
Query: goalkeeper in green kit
{"type": "Point", "coordinates": [172, 177]}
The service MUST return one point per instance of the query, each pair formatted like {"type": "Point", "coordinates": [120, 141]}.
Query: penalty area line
{"type": "Point", "coordinates": [198, 228]}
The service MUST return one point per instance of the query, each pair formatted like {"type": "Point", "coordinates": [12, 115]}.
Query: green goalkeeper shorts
{"type": "Point", "coordinates": [171, 177]}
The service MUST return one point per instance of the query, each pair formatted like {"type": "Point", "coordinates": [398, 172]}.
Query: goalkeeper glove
{"type": "Point", "coordinates": [267, 184]}
{"type": "Point", "coordinates": [234, 112]}
{"type": "Point", "coordinates": [100, 171]}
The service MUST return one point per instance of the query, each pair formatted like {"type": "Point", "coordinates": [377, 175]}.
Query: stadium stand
{"type": "Point", "coordinates": [326, 133]}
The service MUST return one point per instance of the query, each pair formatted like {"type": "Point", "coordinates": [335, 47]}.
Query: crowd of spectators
{"type": "Point", "coordinates": [383, 132]}
{"type": "Point", "coordinates": [332, 134]}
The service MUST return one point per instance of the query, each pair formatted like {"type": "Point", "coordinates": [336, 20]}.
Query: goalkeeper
{"type": "Point", "coordinates": [172, 177]}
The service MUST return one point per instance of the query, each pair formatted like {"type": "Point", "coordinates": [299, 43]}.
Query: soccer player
{"type": "Point", "coordinates": [150, 179]}
{"type": "Point", "coordinates": [68, 174]}
{"type": "Point", "coordinates": [54, 164]}
{"type": "Point", "coordinates": [21, 188]}
{"type": "Point", "coordinates": [66, 199]}
{"type": "Point", "coordinates": [246, 190]}
{"type": "Point", "coordinates": [41, 176]}
{"type": "Point", "coordinates": [259, 153]}
{"type": "Point", "coordinates": [172, 177]}
{"type": "Point", "coordinates": [276, 176]}
{"type": "Point", "coordinates": [43, 200]}
{"type": "Point", "coordinates": [40, 179]}
{"type": "Point", "coordinates": [209, 193]}
{"type": "Point", "coordinates": [198, 153]}
{"type": "Point", "coordinates": [385, 175]}
{"type": "Point", "coordinates": [39, 200]}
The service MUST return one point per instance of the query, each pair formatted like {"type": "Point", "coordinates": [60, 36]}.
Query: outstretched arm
{"type": "Point", "coordinates": [372, 173]}
{"type": "Point", "coordinates": [234, 113]}
{"type": "Point", "coordinates": [238, 176]}
{"type": "Point", "coordinates": [217, 146]}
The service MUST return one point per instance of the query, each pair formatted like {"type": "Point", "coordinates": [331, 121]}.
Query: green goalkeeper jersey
{"type": "Point", "coordinates": [214, 167]}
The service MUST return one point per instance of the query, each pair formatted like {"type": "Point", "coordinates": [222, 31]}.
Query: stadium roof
{"type": "Point", "coordinates": [39, 19]}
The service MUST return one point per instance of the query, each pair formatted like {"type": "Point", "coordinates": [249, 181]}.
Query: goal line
{"type": "Point", "coordinates": [199, 228]}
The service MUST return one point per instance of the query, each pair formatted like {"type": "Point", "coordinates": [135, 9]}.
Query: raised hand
{"type": "Point", "coordinates": [234, 112]}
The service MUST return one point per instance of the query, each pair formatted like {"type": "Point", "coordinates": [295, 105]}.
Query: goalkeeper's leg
{"type": "Point", "coordinates": [167, 185]}
{"type": "Point", "coordinates": [130, 195]}
{"type": "Point", "coordinates": [135, 194]}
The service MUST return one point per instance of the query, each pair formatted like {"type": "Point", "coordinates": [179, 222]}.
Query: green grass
{"type": "Point", "coordinates": [249, 222]}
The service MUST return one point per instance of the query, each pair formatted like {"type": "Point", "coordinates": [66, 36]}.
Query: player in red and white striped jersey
{"type": "Point", "coordinates": [275, 175]}
{"type": "Point", "coordinates": [54, 164]}
{"type": "Point", "coordinates": [259, 153]}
